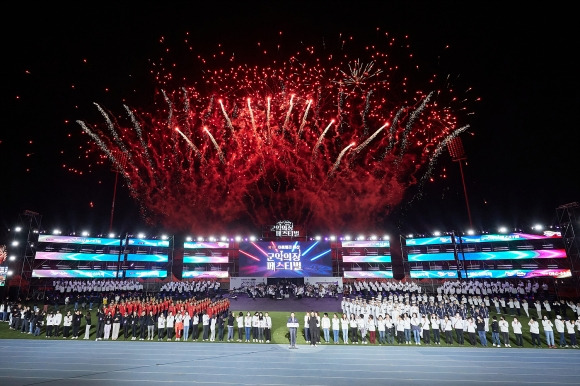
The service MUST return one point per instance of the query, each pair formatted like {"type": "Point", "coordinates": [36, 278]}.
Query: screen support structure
{"type": "Point", "coordinates": [457, 153]}
{"type": "Point", "coordinates": [568, 218]}
{"type": "Point", "coordinates": [31, 221]}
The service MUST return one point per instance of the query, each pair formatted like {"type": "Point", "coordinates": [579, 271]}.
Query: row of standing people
{"type": "Point", "coordinates": [417, 328]}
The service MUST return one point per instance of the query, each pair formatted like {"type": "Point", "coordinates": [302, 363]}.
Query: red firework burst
{"type": "Point", "coordinates": [329, 142]}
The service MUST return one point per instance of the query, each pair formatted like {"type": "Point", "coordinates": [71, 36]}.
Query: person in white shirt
{"type": "Point", "coordinates": [212, 325]}
{"type": "Point", "coordinates": [170, 324]}
{"type": "Point", "coordinates": [325, 324]}
{"type": "Point", "coordinates": [436, 328]}
{"type": "Point", "coordinates": [504, 330]}
{"type": "Point", "coordinates": [186, 323]}
{"type": "Point", "coordinates": [416, 328]}
{"type": "Point", "coordinates": [56, 322]}
{"type": "Point", "coordinates": [335, 328]}
{"type": "Point", "coordinates": [426, 329]}
{"type": "Point", "coordinates": [255, 326]}
{"type": "Point", "coordinates": [548, 310]}
{"type": "Point", "coordinates": [547, 324]}
{"type": "Point", "coordinates": [240, 323]}
{"type": "Point", "coordinates": [161, 326]}
{"type": "Point", "coordinates": [353, 329]}
{"type": "Point", "coordinates": [372, 328]}
{"type": "Point", "coordinates": [526, 306]}
{"type": "Point", "coordinates": [448, 329]}
{"type": "Point", "coordinates": [560, 328]}
{"type": "Point", "coordinates": [67, 323]}
{"type": "Point", "coordinates": [517, 327]}
{"type": "Point", "coordinates": [458, 324]}
{"type": "Point", "coordinates": [49, 321]}
{"type": "Point", "coordinates": [362, 328]}
{"type": "Point", "coordinates": [535, 332]}
{"type": "Point", "coordinates": [344, 326]}
{"type": "Point", "coordinates": [571, 333]}
{"type": "Point", "coordinates": [538, 306]}
{"type": "Point", "coordinates": [247, 326]}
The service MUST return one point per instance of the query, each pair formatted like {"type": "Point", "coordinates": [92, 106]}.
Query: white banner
{"type": "Point", "coordinates": [323, 280]}
{"type": "Point", "coordinates": [241, 282]}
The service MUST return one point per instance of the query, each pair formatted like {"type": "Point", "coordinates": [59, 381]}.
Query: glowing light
{"type": "Point", "coordinates": [331, 145]}
{"type": "Point", "coordinates": [437, 233]}
{"type": "Point", "coordinates": [502, 230]}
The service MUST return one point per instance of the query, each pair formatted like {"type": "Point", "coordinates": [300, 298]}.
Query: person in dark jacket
{"type": "Point", "coordinates": [313, 327]}
{"type": "Point", "coordinates": [126, 325]}
{"type": "Point", "coordinates": [76, 324]}
{"type": "Point", "coordinates": [143, 325]}
{"type": "Point", "coordinates": [100, 324]}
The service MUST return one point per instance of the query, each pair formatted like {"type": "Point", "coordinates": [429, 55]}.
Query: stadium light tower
{"type": "Point", "coordinates": [457, 152]}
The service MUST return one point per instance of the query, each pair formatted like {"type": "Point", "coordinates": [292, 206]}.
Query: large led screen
{"type": "Point", "coordinates": [366, 259]}
{"type": "Point", "coordinates": [206, 245]}
{"type": "Point", "coordinates": [103, 274]}
{"type": "Point", "coordinates": [202, 259]}
{"type": "Point", "coordinates": [78, 240]}
{"type": "Point", "coordinates": [500, 255]}
{"type": "Point", "coordinates": [493, 273]}
{"type": "Point", "coordinates": [137, 273]}
{"type": "Point", "coordinates": [205, 274]}
{"type": "Point", "coordinates": [428, 241]}
{"type": "Point", "coordinates": [285, 259]}
{"type": "Point", "coordinates": [504, 237]}
{"type": "Point", "coordinates": [100, 257]}
{"type": "Point", "coordinates": [366, 244]}
{"type": "Point", "coordinates": [368, 274]}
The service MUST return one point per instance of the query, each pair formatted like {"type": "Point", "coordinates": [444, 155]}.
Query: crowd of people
{"type": "Point", "coordinates": [131, 318]}
{"type": "Point", "coordinates": [455, 313]}
{"type": "Point", "coordinates": [284, 289]}
{"type": "Point", "coordinates": [409, 319]}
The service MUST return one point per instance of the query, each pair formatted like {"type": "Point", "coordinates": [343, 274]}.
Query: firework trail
{"type": "Point", "coordinates": [268, 152]}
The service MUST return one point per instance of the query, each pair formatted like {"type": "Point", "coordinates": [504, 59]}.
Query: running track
{"type": "Point", "coordinates": [72, 363]}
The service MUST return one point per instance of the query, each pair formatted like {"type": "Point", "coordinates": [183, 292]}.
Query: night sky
{"type": "Point", "coordinates": [522, 159]}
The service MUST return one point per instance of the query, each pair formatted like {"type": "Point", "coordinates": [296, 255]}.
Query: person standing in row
{"type": "Point", "coordinates": [344, 327]}
{"type": "Point", "coordinates": [248, 326]}
{"type": "Point", "coordinates": [267, 328]}
{"type": "Point", "coordinates": [504, 330]}
{"type": "Point", "coordinates": [160, 326]}
{"type": "Point", "coordinates": [170, 325]}
{"type": "Point", "coordinates": [108, 326]}
{"type": "Point", "coordinates": [195, 326]}
{"type": "Point", "coordinates": [313, 329]}
{"type": "Point", "coordinates": [186, 324]}
{"type": "Point", "coordinates": [535, 332]}
{"type": "Point", "coordinates": [88, 322]}
{"type": "Point", "coordinates": [325, 324]}
{"type": "Point", "coordinates": [292, 329]}
{"type": "Point", "coordinates": [231, 322]}
{"type": "Point", "coordinates": [240, 323]}
{"type": "Point", "coordinates": [117, 319]}
{"type": "Point", "coordinates": [549, 331]}
{"type": "Point", "coordinates": [517, 327]}
{"type": "Point", "coordinates": [67, 323]}
{"type": "Point", "coordinates": [353, 327]}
